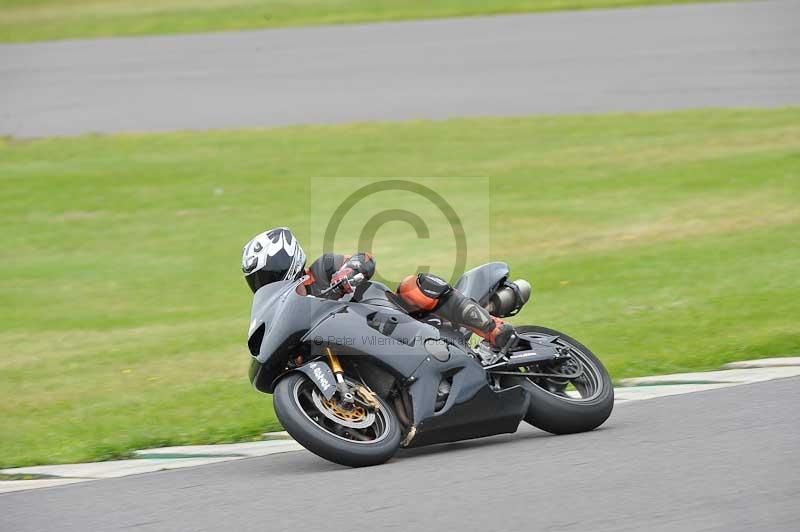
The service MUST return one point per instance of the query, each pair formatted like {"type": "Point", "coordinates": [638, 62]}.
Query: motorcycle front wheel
{"type": "Point", "coordinates": [356, 437]}
{"type": "Point", "coordinates": [563, 405]}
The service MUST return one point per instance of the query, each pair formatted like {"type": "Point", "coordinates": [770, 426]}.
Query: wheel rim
{"type": "Point", "coordinates": [329, 416]}
{"type": "Point", "coordinates": [588, 386]}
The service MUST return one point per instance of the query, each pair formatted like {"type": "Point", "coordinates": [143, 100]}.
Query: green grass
{"type": "Point", "coordinates": [35, 20]}
{"type": "Point", "coordinates": [666, 242]}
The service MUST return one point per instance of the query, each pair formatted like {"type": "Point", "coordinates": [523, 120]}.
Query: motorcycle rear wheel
{"type": "Point", "coordinates": [302, 412]}
{"type": "Point", "coordinates": [555, 409]}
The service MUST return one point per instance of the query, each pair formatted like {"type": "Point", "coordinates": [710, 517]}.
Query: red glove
{"type": "Point", "coordinates": [345, 274]}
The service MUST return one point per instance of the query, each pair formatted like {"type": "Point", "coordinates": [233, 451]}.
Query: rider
{"type": "Point", "coordinates": [276, 255]}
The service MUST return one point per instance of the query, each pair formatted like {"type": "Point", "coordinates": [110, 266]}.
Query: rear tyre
{"type": "Point", "coordinates": [556, 408]}
{"type": "Point", "coordinates": [346, 438]}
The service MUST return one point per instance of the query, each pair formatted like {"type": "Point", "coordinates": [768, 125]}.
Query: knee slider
{"type": "Point", "coordinates": [433, 286]}
{"type": "Point", "coordinates": [413, 297]}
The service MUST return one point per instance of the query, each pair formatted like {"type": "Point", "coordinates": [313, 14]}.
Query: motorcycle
{"type": "Point", "coordinates": [355, 379]}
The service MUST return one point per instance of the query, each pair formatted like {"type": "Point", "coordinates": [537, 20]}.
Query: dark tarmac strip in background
{"type": "Point", "coordinates": [671, 57]}
{"type": "Point", "coordinates": [720, 460]}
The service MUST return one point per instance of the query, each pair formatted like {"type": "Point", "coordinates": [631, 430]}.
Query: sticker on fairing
{"type": "Point", "coordinates": [322, 376]}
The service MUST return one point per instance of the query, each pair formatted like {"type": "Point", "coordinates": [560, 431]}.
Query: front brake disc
{"type": "Point", "coordinates": [355, 418]}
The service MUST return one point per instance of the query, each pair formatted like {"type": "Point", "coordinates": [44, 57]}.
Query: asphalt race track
{"type": "Point", "coordinates": [722, 55]}
{"type": "Point", "coordinates": [721, 460]}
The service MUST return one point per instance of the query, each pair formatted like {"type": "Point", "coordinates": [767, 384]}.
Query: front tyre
{"type": "Point", "coordinates": [566, 406]}
{"type": "Point", "coordinates": [353, 438]}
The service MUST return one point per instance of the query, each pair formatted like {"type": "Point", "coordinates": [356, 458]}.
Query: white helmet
{"type": "Point", "coordinates": [273, 255]}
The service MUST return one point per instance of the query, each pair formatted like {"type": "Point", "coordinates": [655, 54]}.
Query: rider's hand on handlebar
{"type": "Point", "coordinates": [346, 279]}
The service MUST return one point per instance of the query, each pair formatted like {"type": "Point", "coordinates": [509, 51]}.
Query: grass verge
{"type": "Point", "coordinates": [36, 20]}
{"type": "Point", "coordinates": [665, 241]}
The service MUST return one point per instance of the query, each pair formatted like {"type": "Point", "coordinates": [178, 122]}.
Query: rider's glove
{"type": "Point", "coordinates": [348, 276]}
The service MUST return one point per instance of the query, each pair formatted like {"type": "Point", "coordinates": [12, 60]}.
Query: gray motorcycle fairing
{"type": "Point", "coordinates": [285, 322]}
{"type": "Point", "coordinates": [480, 283]}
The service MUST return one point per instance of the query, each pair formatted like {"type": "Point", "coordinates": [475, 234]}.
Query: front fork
{"type": "Point", "coordinates": [344, 390]}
